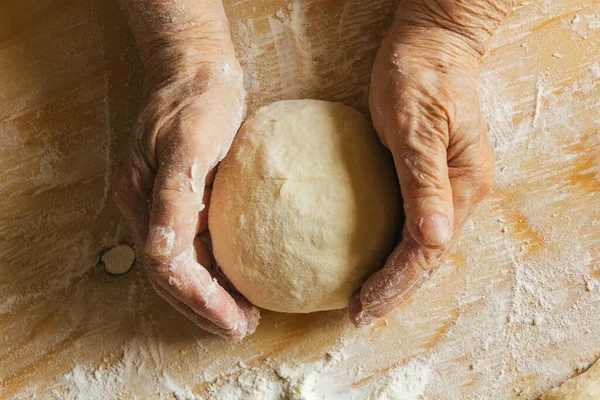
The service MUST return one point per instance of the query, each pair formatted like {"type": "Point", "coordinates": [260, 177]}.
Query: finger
{"type": "Point", "coordinates": [185, 165]}
{"type": "Point", "coordinates": [192, 284]}
{"type": "Point", "coordinates": [238, 332]}
{"type": "Point", "coordinates": [356, 313]}
{"type": "Point", "coordinates": [410, 264]}
{"type": "Point", "coordinates": [422, 165]}
{"type": "Point", "coordinates": [176, 202]}
{"type": "Point", "coordinates": [204, 257]}
{"type": "Point", "coordinates": [250, 311]}
{"type": "Point", "coordinates": [407, 268]}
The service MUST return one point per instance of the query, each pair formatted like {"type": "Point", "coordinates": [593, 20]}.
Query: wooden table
{"type": "Point", "coordinates": [514, 311]}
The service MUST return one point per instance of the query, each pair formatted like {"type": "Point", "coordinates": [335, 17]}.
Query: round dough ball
{"type": "Point", "coordinates": [304, 207]}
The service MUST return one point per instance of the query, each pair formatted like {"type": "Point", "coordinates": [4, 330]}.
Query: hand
{"type": "Point", "coordinates": [193, 105]}
{"type": "Point", "coordinates": [425, 108]}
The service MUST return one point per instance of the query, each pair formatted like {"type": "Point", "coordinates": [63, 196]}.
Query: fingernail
{"type": "Point", "coordinates": [364, 318]}
{"type": "Point", "coordinates": [435, 229]}
{"type": "Point", "coordinates": [160, 241]}
{"type": "Point", "coordinates": [240, 327]}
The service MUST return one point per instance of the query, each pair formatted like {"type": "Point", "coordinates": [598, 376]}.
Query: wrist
{"type": "Point", "coordinates": [164, 24]}
{"type": "Point", "coordinates": [188, 58]}
{"type": "Point", "coordinates": [210, 40]}
{"type": "Point", "coordinates": [413, 48]}
{"type": "Point", "coordinates": [473, 21]}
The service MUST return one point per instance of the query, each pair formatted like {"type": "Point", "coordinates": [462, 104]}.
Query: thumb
{"type": "Point", "coordinates": [176, 204]}
{"type": "Point", "coordinates": [426, 191]}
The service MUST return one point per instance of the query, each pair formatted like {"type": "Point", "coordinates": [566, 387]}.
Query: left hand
{"type": "Point", "coordinates": [425, 108]}
{"type": "Point", "coordinates": [193, 107]}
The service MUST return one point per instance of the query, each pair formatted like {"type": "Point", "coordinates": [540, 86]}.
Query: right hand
{"type": "Point", "coordinates": [193, 106]}
{"type": "Point", "coordinates": [425, 108]}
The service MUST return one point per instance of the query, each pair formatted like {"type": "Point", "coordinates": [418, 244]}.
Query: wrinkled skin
{"type": "Point", "coordinates": [425, 108]}
{"type": "Point", "coordinates": [192, 108]}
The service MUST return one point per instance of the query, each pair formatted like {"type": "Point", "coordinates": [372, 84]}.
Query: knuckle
{"type": "Point", "coordinates": [179, 185]}
{"type": "Point", "coordinates": [423, 176]}
{"type": "Point", "coordinates": [179, 196]}
{"type": "Point", "coordinates": [159, 274]}
{"type": "Point", "coordinates": [415, 198]}
{"type": "Point", "coordinates": [420, 136]}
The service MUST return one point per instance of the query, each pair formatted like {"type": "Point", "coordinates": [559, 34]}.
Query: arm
{"type": "Point", "coordinates": [425, 107]}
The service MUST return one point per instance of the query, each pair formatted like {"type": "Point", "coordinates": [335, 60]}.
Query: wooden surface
{"type": "Point", "coordinates": [513, 312]}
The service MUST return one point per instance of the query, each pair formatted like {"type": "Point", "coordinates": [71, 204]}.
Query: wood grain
{"type": "Point", "coordinates": [511, 313]}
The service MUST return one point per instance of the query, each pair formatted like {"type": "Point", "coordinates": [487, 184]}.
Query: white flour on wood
{"type": "Point", "coordinates": [513, 311]}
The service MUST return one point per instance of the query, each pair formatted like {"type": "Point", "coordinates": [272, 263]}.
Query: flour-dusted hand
{"type": "Point", "coordinates": [194, 102]}
{"type": "Point", "coordinates": [425, 108]}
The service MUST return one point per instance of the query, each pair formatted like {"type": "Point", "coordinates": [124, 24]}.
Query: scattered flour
{"type": "Point", "coordinates": [318, 380]}
{"type": "Point", "coordinates": [595, 70]}
{"type": "Point", "coordinates": [523, 306]}
{"type": "Point", "coordinates": [138, 373]}
{"type": "Point", "coordinates": [406, 382]}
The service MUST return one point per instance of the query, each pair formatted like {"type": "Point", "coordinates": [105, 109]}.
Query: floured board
{"type": "Point", "coordinates": [513, 312]}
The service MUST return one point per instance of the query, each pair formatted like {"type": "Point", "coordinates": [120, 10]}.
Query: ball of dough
{"type": "Point", "coordinates": [118, 260]}
{"type": "Point", "coordinates": [304, 207]}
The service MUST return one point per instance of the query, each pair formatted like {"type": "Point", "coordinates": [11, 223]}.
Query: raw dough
{"type": "Point", "coordinates": [583, 387]}
{"type": "Point", "coordinates": [118, 260]}
{"type": "Point", "coordinates": [304, 207]}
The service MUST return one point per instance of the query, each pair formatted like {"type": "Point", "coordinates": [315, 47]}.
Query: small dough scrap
{"type": "Point", "coordinates": [304, 207]}
{"type": "Point", "coordinates": [118, 260]}
{"type": "Point", "coordinates": [583, 387]}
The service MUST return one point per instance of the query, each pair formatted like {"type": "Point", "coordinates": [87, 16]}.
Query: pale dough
{"type": "Point", "coordinates": [118, 260]}
{"type": "Point", "coordinates": [583, 387]}
{"type": "Point", "coordinates": [304, 207]}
